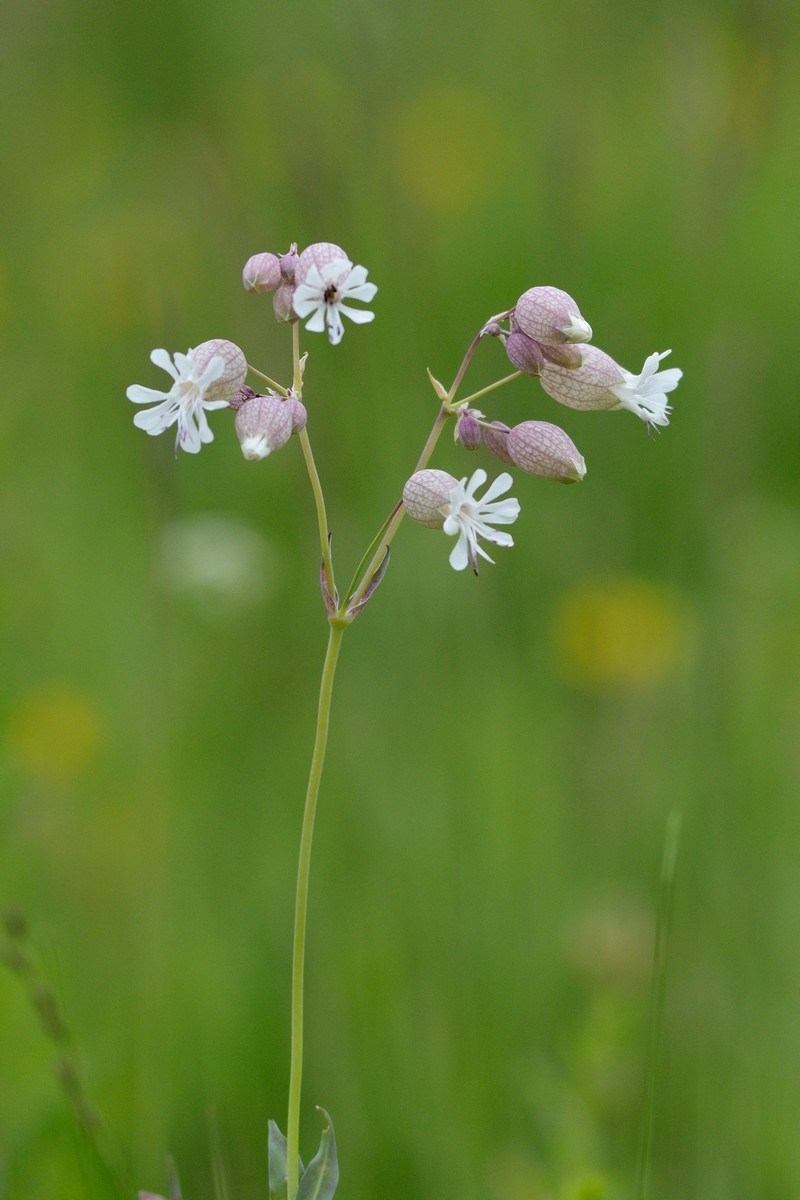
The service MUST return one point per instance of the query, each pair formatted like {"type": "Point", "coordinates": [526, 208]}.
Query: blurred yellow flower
{"type": "Point", "coordinates": [623, 632]}
{"type": "Point", "coordinates": [54, 734]}
{"type": "Point", "coordinates": [448, 148]}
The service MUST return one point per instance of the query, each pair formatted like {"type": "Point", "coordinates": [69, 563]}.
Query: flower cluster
{"type": "Point", "coordinates": [546, 337]}
{"type": "Point", "coordinates": [319, 284]}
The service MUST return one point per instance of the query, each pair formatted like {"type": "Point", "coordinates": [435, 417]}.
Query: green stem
{"type": "Point", "coordinates": [276, 387]}
{"type": "Point", "coordinates": [311, 466]}
{"type": "Point", "coordinates": [491, 388]}
{"type": "Point", "coordinates": [400, 512]}
{"type": "Point", "coordinates": [301, 905]}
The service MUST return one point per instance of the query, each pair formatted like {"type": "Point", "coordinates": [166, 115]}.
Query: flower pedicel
{"type": "Point", "coordinates": [545, 337]}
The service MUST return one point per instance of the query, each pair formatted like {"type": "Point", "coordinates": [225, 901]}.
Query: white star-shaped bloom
{"type": "Point", "coordinates": [646, 393]}
{"type": "Point", "coordinates": [471, 519]}
{"type": "Point", "coordinates": [323, 296]}
{"type": "Point", "coordinates": [185, 403]}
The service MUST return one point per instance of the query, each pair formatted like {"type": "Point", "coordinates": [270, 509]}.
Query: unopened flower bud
{"type": "Point", "coordinates": [564, 356]}
{"type": "Point", "coordinates": [288, 263]}
{"type": "Point", "coordinates": [232, 377]}
{"type": "Point", "coordinates": [262, 273]}
{"type": "Point", "coordinates": [524, 353]}
{"type": "Point", "coordinates": [468, 431]}
{"type": "Point", "coordinates": [426, 496]}
{"type": "Point", "coordinates": [545, 450]}
{"type": "Point", "coordinates": [496, 438]}
{"type": "Point", "coordinates": [298, 413]}
{"type": "Point", "coordinates": [282, 303]}
{"type": "Point", "coordinates": [551, 317]}
{"type": "Point", "coordinates": [263, 425]}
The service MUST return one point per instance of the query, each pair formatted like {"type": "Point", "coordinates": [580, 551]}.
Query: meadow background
{"type": "Point", "coordinates": [505, 751]}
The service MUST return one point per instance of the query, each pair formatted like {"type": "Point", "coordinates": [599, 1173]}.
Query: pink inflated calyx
{"type": "Point", "coordinates": [468, 430]}
{"type": "Point", "coordinates": [542, 449]}
{"type": "Point", "coordinates": [282, 303]}
{"type": "Point", "coordinates": [550, 317]}
{"type": "Point", "coordinates": [319, 255]}
{"type": "Point", "coordinates": [495, 437]}
{"type": "Point", "coordinates": [262, 273]}
{"type": "Point", "coordinates": [234, 371]}
{"type": "Point", "coordinates": [524, 353]}
{"type": "Point", "coordinates": [263, 425]}
{"type": "Point", "coordinates": [426, 496]}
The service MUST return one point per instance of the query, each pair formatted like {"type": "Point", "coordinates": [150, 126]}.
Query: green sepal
{"type": "Point", "coordinates": [320, 1179]}
{"type": "Point", "coordinates": [278, 1168]}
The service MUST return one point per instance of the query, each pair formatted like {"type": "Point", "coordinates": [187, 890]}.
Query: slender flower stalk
{"type": "Point", "coordinates": [301, 903]}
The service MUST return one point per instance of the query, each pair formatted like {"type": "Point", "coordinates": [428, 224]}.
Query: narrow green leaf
{"type": "Point", "coordinates": [320, 1179]}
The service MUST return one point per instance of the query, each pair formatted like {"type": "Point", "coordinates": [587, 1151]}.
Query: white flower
{"type": "Point", "coordinates": [323, 292]}
{"type": "Point", "coordinates": [601, 383]}
{"type": "Point", "coordinates": [646, 393]}
{"type": "Point", "coordinates": [185, 402]}
{"type": "Point", "coordinates": [470, 518]}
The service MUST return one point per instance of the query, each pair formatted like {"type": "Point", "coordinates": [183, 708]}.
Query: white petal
{"type": "Point", "coordinates": [213, 372]}
{"type": "Point", "coordinates": [500, 485]}
{"type": "Point", "coordinates": [144, 395]}
{"type": "Point", "coordinates": [365, 291]}
{"type": "Point", "coordinates": [459, 555]}
{"type": "Point", "coordinates": [503, 513]}
{"type": "Point", "coordinates": [359, 316]}
{"type": "Point", "coordinates": [357, 276]}
{"type": "Point", "coordinates": [477, 480]}
{"type": "Point", "coordinates": [156, 420]}
{"type": "Point", "coordinates": [162, 359]}
{"type": "Point", "coordinates": [335, 326]}
{"type": "Point", "coordinates": [317, 322]}
{"type": "Point", "coordinates": [184, 363]}
{"type": "Point", "coordinates": [205, 430]}
{"type": "Point", "coordinates": [189, 437]}
{"type": "Point", "coordinates": [305, 298]}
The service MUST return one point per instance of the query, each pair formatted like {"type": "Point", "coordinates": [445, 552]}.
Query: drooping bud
{"type": "Point", "coordinates": [263, 425]}
{"type": "Point", "coordinates": [318, 255]}
{"type": "Point", "coordinates": [524, 353]}
{"type": "Point", "coordinates": [426, 495]}
{"type": "Point", "coordinates": [551, 317]}
{"type": "Point", "coordinates": [282, 303]}
{"type": "Point", "coordinates": [298, 413]}
{"type": "Point", "coordinates": [288, 263]}
{"type": "Point", "coordinates": [496, 438]}
{"type": "Point", "coordinates": [468, 430]}
{"type": "Point", "coordinates": [235, 370]}
{"type": "Point", "coordinates": [262, 273]}
{"type": "Point", "coordinates": [564, 356]}
{"type": "Point", "coordinates": [545, 450]}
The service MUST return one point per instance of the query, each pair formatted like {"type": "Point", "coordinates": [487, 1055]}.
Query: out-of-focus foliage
{"type": "Point", "coordinates": [505, 751]}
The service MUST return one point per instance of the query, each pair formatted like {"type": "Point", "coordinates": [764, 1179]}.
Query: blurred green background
{"type": "Point", "coordinates": [505, 751]}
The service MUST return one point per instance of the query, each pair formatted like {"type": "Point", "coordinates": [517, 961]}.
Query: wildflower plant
{"type": "Point", "coordinates": [545, 336]}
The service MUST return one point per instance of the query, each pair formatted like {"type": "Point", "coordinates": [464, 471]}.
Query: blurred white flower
{"type": "Point", "coordinates": [323, 293]}
{"type": "Point", "coordinates": [218, 562]}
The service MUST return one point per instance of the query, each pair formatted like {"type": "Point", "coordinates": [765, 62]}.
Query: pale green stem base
{"type": "Point", "coordinates": [301, 905]}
